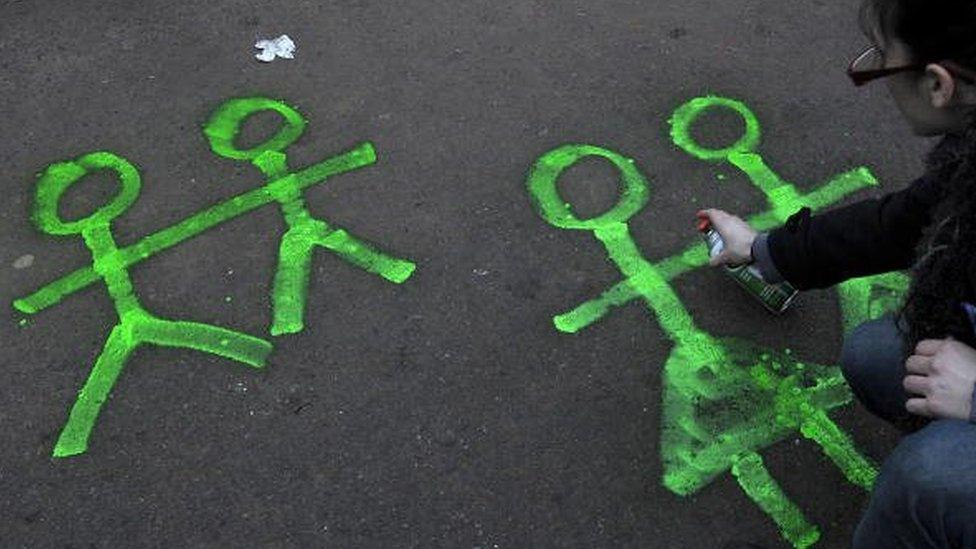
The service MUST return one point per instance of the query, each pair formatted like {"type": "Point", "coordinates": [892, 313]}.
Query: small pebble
{"type": "Point", "coordinates": [24, 261]}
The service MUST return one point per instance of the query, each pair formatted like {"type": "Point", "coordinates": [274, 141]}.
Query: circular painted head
{"type": "Point", "coordinates": [226, 121]}
{"type": "Point", "coordinates": [545, 173]}
{"type": "Point", "coordinates": [58, 177]}
{"type": "Point", "coordinates": [686, 114]}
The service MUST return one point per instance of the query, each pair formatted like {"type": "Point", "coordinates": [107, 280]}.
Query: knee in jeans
{"type": "Point", "coordinates": [855, 356]}
{"type": "Point", "coordinates": [928, 464]}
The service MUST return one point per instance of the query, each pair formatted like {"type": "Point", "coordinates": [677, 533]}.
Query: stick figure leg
{"type": "Point", "coordinates": [818, 427]}
{"type": "Point", "coordinates": [291, 282]}
{"type": "Point", "coordinates": [362, 254]}
{"type": "Point", "coordinates": [294, 263]}
{"type": "Point", "coordinates": [203, 337]}
{"type": "Point", "coordinates": [759, 485]}
{"type": "Point", "coordinates": [73, 439]}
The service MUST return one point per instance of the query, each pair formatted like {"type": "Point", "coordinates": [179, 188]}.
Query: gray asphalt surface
{"type": "Point", "coordinates": [447, 411]}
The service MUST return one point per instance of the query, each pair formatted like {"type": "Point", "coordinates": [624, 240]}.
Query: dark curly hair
{"type": "Point", "coordinates": [935, 30]}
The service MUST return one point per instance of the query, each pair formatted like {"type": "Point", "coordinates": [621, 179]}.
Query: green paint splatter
{"type": "Point", "coordinates": [868, 298]}
{"type": "Point", "coordinates": [22, 323]}
{"type": "Point", "coordinates": [724, 399]}
{"type": "Point", "coordinates": [136, 326]}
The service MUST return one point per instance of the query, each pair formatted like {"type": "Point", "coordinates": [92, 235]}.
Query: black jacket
{"type": "Point", "coordinates": [872, 236]}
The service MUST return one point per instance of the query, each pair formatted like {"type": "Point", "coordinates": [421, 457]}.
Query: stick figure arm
{"type": "Point", "coordinates": [360, 156]}
{"type": "Point", "coordinates": [56, 291]}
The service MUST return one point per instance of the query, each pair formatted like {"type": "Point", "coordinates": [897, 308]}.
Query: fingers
{"type": "Point", "coordinates": [920, 386]}
{"type": "Point", "coordinates": [736, 235]}
{"type": "Point", "coordinates": [918, 364]}
{"type": "Point", "coordinates": [916, 385]}
{"type": "Point", "coordinates": [714, 215]}
{"type": "Point", "coordinates": [918, 406]}
{"type": "Point", "coordinates": [929, 347]}
{"type": "Point", "coordinates": [716, 220]}
{"type": "Point", "coordinates": [704, 219]}
{"type": "Point", "coordinates": [711, 214]}
{"type": "Point", "coordinates": [703, 223]}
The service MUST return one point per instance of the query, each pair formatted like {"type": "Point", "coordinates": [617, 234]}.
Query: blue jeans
{"type": "Point", "coordinates": [925, 496]}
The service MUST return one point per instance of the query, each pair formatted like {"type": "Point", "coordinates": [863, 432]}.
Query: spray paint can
{"type": "Point", "coordinates": [775, 297]}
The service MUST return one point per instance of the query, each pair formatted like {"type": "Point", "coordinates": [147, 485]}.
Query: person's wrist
{"type": "Point", "coordinates": [752, 248]}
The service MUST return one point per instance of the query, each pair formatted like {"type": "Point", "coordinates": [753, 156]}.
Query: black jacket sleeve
{"type": "Point", "coordinates": [872, 236]}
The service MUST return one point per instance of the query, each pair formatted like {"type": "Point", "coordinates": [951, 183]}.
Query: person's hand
{"type": "Point", "coordinates": [737, 235]}
{"type": "Point", "coordinates": [942, 372]}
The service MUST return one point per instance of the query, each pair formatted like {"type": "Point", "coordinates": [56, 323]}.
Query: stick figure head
{"type": "Point", "coordinates": [58, 177]}
{"type": "Point", "coordinates": [226, 121]}
{"type": "Point", "coordinates": [546, 171]}
{"type": "Point", "coordinates": [687, 113]}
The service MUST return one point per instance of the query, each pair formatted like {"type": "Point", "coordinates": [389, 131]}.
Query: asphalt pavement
{"type": "Point", "coordinates": [446, 410]}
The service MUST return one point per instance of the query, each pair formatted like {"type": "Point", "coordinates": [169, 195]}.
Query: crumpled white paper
{"type": "Point", "coordinates": [279, 47]}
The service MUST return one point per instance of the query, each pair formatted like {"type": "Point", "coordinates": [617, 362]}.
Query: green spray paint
{"type": "Point", "coordinates": [783, 198]}
{"type": "Point", "coordinates": [871, 297]}
{"type": "Point", "coordinates": [136, 326]}
{"type": "Point", "coordinates": [284, 187]}
{"type": "Point", "coordinates": [750, 472]}
{"type": "Point", "coordinates": [304, 231]}
{"type": "Point", "coordinates": [110, 263]}
{"type": "Point", "coordinates": [52, 293]}
{"type": "Point", "coordinates": [724, 399]}
{"type": "Point", "coordinates": [861, 299]}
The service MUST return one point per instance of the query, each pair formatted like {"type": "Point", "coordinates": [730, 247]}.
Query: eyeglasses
{"type": "Point", "coordinates": [869, 65]}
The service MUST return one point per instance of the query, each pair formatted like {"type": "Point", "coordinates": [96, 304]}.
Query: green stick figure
{"type": "Point", "coordinates": [724, 399]}
{"type": "Point", "coordinates": [861, 299]}
{"type": "Point", "coordinates": [360, 156]}
{"type": "Point", "coordinates": [136, 325]}
{"type": "Point", "coordinates": [782, 196]}
{"type": "Point", "coordinates": [304, 231]}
